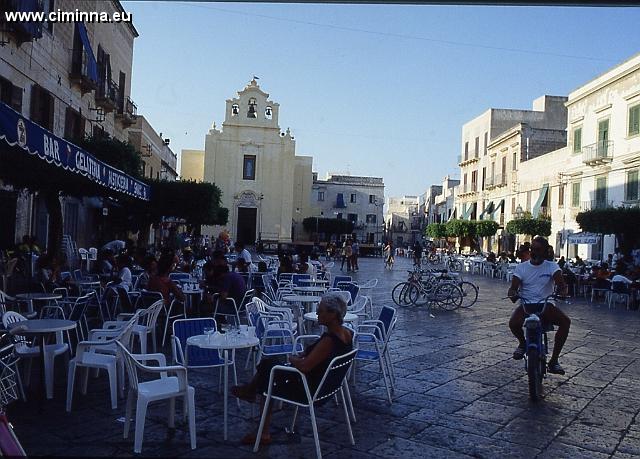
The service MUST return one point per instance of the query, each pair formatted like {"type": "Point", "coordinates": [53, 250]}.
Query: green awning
{"type": "Point", "coordinates": [498, 207]}
{"type": "Point", "coordinates": [487, 210]}
{"type": "Point", "coordinates": [453, 214]}
{"type": "Point", "coordinates": [467, 213]}
{"type": "Point", "coordinates": [543, 194]}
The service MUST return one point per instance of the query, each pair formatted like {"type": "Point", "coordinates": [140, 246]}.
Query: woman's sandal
{"type": "Point", "coordinates": [243, 393]}
{"type": "Point", "coordinates": [250, 439]}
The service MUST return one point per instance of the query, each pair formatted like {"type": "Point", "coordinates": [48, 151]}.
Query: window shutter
{"type": "Point", "coordinates": [16, 98]}
{"type": "Point", "coordinates": [35, 104]}
{"type": "Point", "coordinates": [634, 120]}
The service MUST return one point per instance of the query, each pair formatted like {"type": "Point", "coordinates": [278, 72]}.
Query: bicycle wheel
{"type": "Point", "coordinates": [455, 265]}
{"type": "Point", "coordinates": [400, 294]}
{"type": "Point", "coordinates": [469, 294]}
{"type": "Point", "coordinates": [448, 296]}
{"type": "Point", "coordinates": [534, 374]}
{"type": "Point", "coordinates": [418, 295]}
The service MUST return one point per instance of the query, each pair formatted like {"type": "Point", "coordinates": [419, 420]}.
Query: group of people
{"type": "Point", "coordinates": [349, 254]}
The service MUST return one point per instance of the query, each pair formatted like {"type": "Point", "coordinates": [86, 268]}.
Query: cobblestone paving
{"type": "Point", "coordinates": [459, 394]}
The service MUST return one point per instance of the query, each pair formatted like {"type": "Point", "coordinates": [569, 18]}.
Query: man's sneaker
{"type": "Point", "coordinates": [555, 368]}
{"type": "Point", "coordinates": [518, 354]}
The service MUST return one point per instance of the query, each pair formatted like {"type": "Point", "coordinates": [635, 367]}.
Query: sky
{"type": "Point", "coordinates": [378, 90]}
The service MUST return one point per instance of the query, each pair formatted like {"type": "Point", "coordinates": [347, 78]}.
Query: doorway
{"type": "Point", "coordinates": [246, 227]}
{"type": "Point", "coordinates": [8, 217]}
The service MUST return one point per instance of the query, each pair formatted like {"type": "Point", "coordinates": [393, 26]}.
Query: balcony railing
{"type": "Point", "coordinates": [469, 187]}
{"type": "Point", "coordinates": [80, 71]}
{"type": "Point", "coordinates": [500, 179]}
{"type": "Point", "coordinates": [545, 212]}
{"type": "Point", "coordinates": [470, 158]}
{"type": "Point", "coordinates": [128, 112]}
{"type": "Point", "coordinates": [595, 204]}
{"type": "Point", "coordinates": [107, 95]}
{"type": "Point", "coordinates": [598, 153]}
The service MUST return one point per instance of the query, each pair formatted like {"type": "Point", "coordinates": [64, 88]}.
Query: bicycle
{"type": "Point", "coordinates": [418, 291]}
{"type": "Point", "coordinates": [536, 343]}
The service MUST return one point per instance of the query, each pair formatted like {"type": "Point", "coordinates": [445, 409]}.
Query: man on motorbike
{"type": "Point", "coordinates": [533, 281]}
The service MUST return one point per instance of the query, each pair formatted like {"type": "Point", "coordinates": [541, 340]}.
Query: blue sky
{"type": "Point", "coordinates": [378, 90]}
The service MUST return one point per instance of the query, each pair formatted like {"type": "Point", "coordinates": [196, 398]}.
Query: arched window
{"type": "Point", "coordinates": [252, 113]}
{"type": "Point", "coordinates": [235, 109]}
{"type": "Point", "coordinates": [268, 113]}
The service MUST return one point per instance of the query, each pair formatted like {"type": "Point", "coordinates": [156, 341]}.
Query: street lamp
{"type": "Point", "coordinates": [519, 213]}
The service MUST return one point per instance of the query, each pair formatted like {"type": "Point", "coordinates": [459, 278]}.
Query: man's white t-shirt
{"type": "Point", "coordinates": [536, 282]}
{"type": "Point", "coordinates": [621, 278]}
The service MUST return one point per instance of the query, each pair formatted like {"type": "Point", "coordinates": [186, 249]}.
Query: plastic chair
{"type": "Point", "coordinates": [88, 356]}
{"type": "Point", "coordinates": [9, 363]}
{"type": "Point", "coordinates": [193, 356]}
{"type": "Point", "coordinates": [372, 339]}
{"type": "Point", "coordinates": [337, 279]}
{"type": "Point", "coordinates": [296, 278]}
{"type": "Point", "coordinates": [619, 292]}
{"type": "Point", "coordinates": [146, 325]}
{"type": "Point", "coordinates": [332, 383]}
{"type": "Point", "coordinates": [166, 387]}
{"type": "Point", "coordinates": [180, 277]}
{"type": "Point", "coordinates": [352, 288]}
{"type": "Point", "coordinates": [7, 301]}
{"type": "Point", "coordinates": [24, 349]}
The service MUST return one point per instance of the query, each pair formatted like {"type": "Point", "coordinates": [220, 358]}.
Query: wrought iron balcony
{"type": "Point", "coordinates": [598, 153]}
{"type": "Point", "coordinates": [127, 112]}
{"type": "Point", "coordinates": [80, 71]}
{"type": "Point", "coordinates": [595, 204]}
{"type": "Point", "coordinates": [107, 95]}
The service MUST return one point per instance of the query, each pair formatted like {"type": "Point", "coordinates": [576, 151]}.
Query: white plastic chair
{"type": "Point", "coordinates": [88, 356]}
{"type": "Point", "coordinates": [166, 387]}
{"type": "Point", "coordinates": [146, 325]}
{"type": "Point", "coordinates": [24, 349]}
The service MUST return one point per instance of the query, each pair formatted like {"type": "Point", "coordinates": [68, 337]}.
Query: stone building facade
{"type": "Point", "coordinates": [402, 220]}
{"type": "Point", "coordinates": [159, 161]}
{"type": "Point", "coordinates": [358, 199]}
{"type": "Point", "coordinates": [47, 80]}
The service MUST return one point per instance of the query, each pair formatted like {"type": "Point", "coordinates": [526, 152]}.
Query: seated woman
{"type": "Point", "coordinates": [162, 283]}
{"type": "Point", "coordinates": [123, 279]}
{"type": "Point", "coordinates": [315, 360]}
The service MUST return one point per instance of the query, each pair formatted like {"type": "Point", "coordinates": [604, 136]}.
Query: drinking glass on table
{"type": "Point", "coordinates": [225, 327]}
{"type": "Point", "coordinates": [209, 331]}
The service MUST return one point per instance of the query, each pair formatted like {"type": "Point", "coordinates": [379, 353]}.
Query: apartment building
{"type": "Point", "coordinates": [358, 199]}
{"type": "Point", "coordinates": [600, 165]}
{"type": "Point", "coordinates": [402, 219]}
{"type": "Point", "coordinates": [158, 160]}
{"type": "Point", "coordinates": [71, 79]}
{"type": "Point", "coordinates": [493, 146]}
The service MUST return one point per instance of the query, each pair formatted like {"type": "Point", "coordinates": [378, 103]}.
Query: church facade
{"type": "Point", "coordinates": [265, 186]}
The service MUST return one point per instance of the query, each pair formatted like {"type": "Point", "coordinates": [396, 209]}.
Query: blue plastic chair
{"type": "Point", "coordinates": [340, 279]}
{"type": "Point", "coordinates": [350, 287]}
{"type": "Point", "coordinates": [297, 277]}
{"type": "Point", "coordinates": [197, 357]}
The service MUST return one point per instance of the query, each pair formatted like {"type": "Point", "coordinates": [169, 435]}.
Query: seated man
{"type": "Point", "coordinates": [228, 285]}
{"type": "Point", "coordinates": [533, 281]}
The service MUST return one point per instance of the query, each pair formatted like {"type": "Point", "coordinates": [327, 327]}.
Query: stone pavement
{"type": "Point", "coordinates": [459, 394]}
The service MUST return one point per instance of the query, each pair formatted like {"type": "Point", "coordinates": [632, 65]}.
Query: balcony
{"type": "Point", "coordinates": [80, 73]}
{"type": "Point", "coordinates": [468, 188]}
{"type": "Point", "coordinates": [595, 204]}
{"type": "Point", "coordinates": [128, 112]}
{"type": "Point", "coordinates": [545, 212]}
{"type": "Point", "coordinates": [500, 179]}
{"type": "Point", "coordinates": [107, 95]}
{"type": "Point", "coordinates": [598, 153]}
{"type": "Point", "coordinates": [469, 159]}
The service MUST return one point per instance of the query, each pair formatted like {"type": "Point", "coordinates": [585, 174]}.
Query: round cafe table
{"type": "Point", "coordinates": [37, 296]}
{"type": "Point", "coordinates": [311, 282]}
{"type": "Point", "coordinates": [313, 316]}
{"type": "Point", "coordinates": [303, 290]}
{"type": "Point", "coordinates": [42, 327]}
{"type": "Point", "coordinates": [305, 300]}
{"type": "Point", "coordinates": [222, 343]}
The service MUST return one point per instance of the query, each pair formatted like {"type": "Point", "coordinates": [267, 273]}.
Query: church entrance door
{"type": "Point", "coordinates": [247, 225]}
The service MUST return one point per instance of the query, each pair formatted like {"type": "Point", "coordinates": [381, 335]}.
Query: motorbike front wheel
{"type": "Point", "coordinates": [535, 374]}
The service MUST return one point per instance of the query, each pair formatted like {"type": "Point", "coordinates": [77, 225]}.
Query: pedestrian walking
{"type": "Point", "coordinates": [355, 249]}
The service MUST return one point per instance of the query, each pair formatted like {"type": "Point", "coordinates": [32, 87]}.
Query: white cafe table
{"type": "Point", "coordinates": [309, 290]}
{"type": "Point", "coordinates": [349, 317]}
{"type": "Point", "coordinates": [42, 327]}
{"type": "Point", "coordinates": [37, 296]}
{"type": "Point", "coordinates": [222, 343]}
{"type": "Point", "coordinates": [311, 282]}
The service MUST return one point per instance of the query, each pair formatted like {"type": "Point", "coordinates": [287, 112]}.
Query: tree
{"type": "Point", "coordinates": [114, 152]}
{"type": "Point", "coordinates": [460, 228]}
{"type": "Point", "coordinates": [621, 221]}
{"type": "Point", "coordinates": [327, 225]}
{"type": "Point", "coordinates": [486, 228]}
{"type": "Point", "coordinates": [530, 226]}
{"type": "Point", "coordinates": [436, 230]}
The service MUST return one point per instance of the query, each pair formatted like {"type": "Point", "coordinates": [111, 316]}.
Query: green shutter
{"type": "Point", "coordinates": [634, 120]}
{"type": "Point", "coordinates": [577, 140]}
{"type": "Point", "coordinates": [632, 186]}
{"type": "Point", "coordinates": [575, 194]}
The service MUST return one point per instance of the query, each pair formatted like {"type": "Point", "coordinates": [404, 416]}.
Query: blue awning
{"type": "Point", "coordinates": [28, 29]}
{"type": "Point", "coordinates": [92, 66]}
{"type": "Point", "coordinates": [498, 207]}
{"type": "Point", "coordinates": [487, 210]}
{"type": "Point", "coordinates": [31, 138]}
